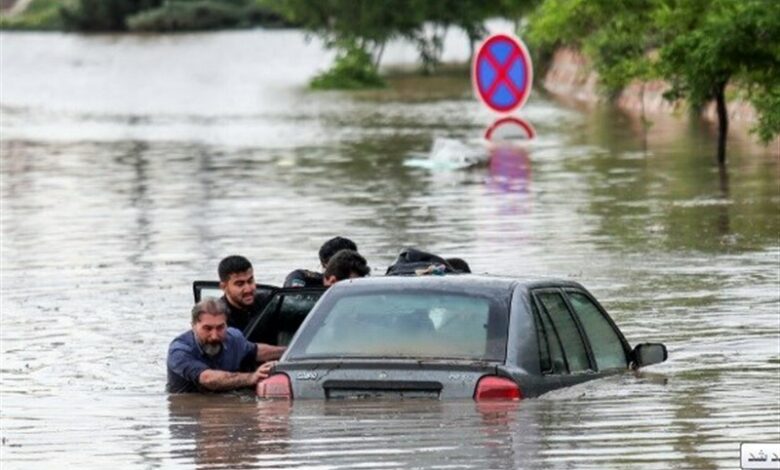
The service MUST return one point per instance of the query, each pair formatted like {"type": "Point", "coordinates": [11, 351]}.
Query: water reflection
{"type": "Point", "coordinates": [509, 168]}
{"type": "Point", "coordinates": [228, 431]}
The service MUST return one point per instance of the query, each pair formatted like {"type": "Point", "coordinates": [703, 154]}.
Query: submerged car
{"type": "Point", "coordinates": [455, 336]}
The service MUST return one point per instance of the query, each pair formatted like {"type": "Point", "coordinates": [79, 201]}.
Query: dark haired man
{"type": "Point", "coordinates": [346, 264]}
{"type": "Point", "coordinates": [237, 281]}
{"type": "Point", "coordinates": [306, 278]}
{"type": "Point", "coordinates": [212, 356]}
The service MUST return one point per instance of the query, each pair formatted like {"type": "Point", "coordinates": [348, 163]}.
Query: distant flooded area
{"type": "Point", "coordinates": [131, 164]}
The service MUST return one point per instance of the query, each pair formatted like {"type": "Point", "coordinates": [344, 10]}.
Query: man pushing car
{"type": "Point", "coordinates": [214, 357]}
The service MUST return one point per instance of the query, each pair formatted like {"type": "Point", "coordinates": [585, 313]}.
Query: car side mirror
{"type": "Point", "coordinates": [646, 354]}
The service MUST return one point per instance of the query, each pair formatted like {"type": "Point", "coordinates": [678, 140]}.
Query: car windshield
{"type": "Point", "coordinates": [406, 324]}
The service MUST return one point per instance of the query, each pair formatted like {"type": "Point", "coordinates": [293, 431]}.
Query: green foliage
{"type": "Point", "coordinates": [341, 24]}
{"type": "Point", "coordinates": [352, 69]}
{"type": "Point", "coordinates": [432, 20]}
{"type": "Point", "coordinates": [184, 15]}
{"type": "Point", "coordinates": [357, 29]}
{"type": "Point", "coordinates": [166, 15]}
{"type": "Point", "coordinates": [711, 43]}
{"type": "Point", "coordinates": [766, 100]}
{"type": "Point", "coordinates": [368, 24]}
{"type": "Point", "coordinates": [704, 49]}
{"type": "Point", "coordinates": [102, 15]}
{"type": "Point", "coordinates": [698, 46]}
{"type": "Point", "coordinates": [39, 15]}
{"type": "Point", "coordinates": [615, 34]}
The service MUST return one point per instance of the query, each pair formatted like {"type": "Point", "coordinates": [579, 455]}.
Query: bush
{"type": "Point", "coordinates": [188, 16]}
{"type": "Point", "coordinates": [353, 69]}
{"type": "Point", "coordinates": [102, 15]}
{"type": "Point", "coordinates": [39, 15]}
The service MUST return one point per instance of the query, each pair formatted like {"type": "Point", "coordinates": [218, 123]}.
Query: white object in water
{"type": "Point", "coordinates": [456, 154]}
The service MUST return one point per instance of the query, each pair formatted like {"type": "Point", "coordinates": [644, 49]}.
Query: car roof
{"type": "Point", "coordinates": [457, 281]}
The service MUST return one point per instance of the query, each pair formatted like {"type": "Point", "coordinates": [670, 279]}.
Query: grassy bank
{"type": "Point", "coordinates": [144, 15]}
{"type": "Point", "coordinates": [40, 15]}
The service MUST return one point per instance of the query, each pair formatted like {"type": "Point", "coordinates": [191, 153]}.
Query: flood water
{"type": "Point", "coordinates": [132, 164]}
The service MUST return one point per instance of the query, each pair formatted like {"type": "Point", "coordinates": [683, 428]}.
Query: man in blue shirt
{"type": "Point", "coordinates": [213, 357]}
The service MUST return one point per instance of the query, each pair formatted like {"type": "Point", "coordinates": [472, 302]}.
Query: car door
{"type": "Point", "coordinates": [283, 314]}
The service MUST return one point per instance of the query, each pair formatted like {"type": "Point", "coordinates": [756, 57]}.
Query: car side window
{"type": "Point", "coordinates": [605, 343]}
{"type": "Point", "coordinates": [550, 354]}
{"type": "Point", "coordinates": [572, 344]}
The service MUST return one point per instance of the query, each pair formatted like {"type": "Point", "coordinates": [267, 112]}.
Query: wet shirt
{"type": "Point", "coordinates": [239, 318]}
{"type": "Point", "coordinates": [303, 278]}
{"type": "Point", "coordinates": [186, 359]}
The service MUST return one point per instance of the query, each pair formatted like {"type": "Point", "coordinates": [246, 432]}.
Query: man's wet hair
{"type": "Point", "coordinates": [333, 246]}
{"type": "Point", "coordinates": [231, 265]}
{"type": "Point", "coordinates": [208, 305]}
{"type": "Point", "coordinates": [345, 263]}
{"type": "Point", "coordinates": [459, 264]}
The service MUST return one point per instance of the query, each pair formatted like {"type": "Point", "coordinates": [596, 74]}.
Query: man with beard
{"type": "Point", "coordinates": [214, 357]}
{"type": "Point", "coordinates": [237, 281]}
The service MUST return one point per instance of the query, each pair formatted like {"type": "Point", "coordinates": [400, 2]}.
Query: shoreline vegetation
{"type": "Point", "coordinates": [139, 15]}
{"type": "Point", "coordinates": [715, 56]}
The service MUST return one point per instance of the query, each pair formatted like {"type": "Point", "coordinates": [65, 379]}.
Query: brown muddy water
{"type": "Point", "coordinates": [132, 164]}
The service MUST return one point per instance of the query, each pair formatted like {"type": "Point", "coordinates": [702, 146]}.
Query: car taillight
{"type": "Point", "coordinates": [491, 387]}
{"type": "Point", "coordinates": [275, 386]}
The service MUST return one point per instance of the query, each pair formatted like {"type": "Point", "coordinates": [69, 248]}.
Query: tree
{"type": "Point", "coordinates": [433, 19]}
{"type": "Point", "coordinates": [342, 24]}
{"type": "Point", "coordinates": [699, 47]}
{"type": "Point", "coordinates": [359, 27]}
{"type": "Point", "coordinates": [712, 43]}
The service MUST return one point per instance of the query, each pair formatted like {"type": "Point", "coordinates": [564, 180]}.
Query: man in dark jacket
{"type": "Point", "coordinates": [346, 264]}
{"type": "Point", "coordinates": [237, 281]}
{"type": "Point", "coordinates": [306, 278]}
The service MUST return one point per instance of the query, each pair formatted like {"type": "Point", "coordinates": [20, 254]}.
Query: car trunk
{"type": "Point", "coordinates": [384, 378]}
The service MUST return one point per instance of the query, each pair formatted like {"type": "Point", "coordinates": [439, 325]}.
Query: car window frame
{"type": "Point", "coordinates": [592, 366]}
{"type": "Point", "coordinates": [271, 309]}
{"type": "Point", "coordinates": [604, 314]}
{"type": "Point", "coordinates": [537, 310]}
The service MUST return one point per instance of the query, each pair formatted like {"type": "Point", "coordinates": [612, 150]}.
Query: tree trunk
{"type": "Point", "coordinates": [378, 56]}
{"type": "Point", "coordinates": [723, 122]}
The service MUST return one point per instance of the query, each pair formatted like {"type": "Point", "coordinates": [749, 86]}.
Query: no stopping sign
{"type": "Point", "coordinates": [501, 73]}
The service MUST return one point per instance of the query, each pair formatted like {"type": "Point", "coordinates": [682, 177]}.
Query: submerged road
{"type": "Point", "coordinates": [132, 164]}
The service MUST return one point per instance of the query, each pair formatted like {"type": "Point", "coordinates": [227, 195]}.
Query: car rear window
{"type": "Point", "coordinates": [403, 324]}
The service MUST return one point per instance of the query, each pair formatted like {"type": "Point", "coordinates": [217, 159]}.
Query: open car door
{"type": "Point", "coordinates": [283, 315]}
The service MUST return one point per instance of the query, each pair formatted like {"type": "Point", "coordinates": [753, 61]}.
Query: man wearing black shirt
{"type": "Point", "coordinates": [346, 264]}
{"type": "Point", "coordinates": [306, 278]}
{"type": "Point", "coordinates": [237, 281]}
